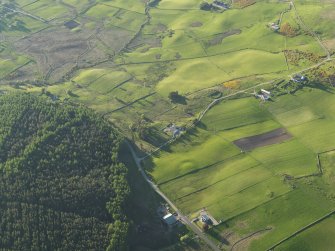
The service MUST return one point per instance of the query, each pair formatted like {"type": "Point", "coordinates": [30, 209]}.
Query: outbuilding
{"type": "Point", "coordinates": [169, 219]}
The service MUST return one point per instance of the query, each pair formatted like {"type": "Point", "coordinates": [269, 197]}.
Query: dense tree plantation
{"type": "Point", "coordinates": [61, 184]}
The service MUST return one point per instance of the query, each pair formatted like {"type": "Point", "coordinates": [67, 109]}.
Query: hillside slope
{"type": "Point", "coordinates": [61, 185]}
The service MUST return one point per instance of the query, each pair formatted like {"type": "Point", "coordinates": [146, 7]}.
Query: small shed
{"type": "Point", "coordinates": [205, 218]}
{"type": "Point", "coordinates": [274, 27]}
{"type": "Point", "coordinates": [298, 78]}
{"type": "Point", "coordinates": [169, 219]}
{"type": "Point", "coordinates": [266, 92]}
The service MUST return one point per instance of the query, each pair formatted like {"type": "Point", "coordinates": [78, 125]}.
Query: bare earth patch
{"type": "Point", "coordinates": [218, 38]}
{"type": "Point", "coordinates": [330, 44]}
{"type": "Point", "coordinates": [196, 24]}
{"type": "Point", "coordinates": [269, 138]}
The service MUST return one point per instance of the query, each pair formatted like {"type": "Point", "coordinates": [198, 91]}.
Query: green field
{"type": "Point", "coordinates": [126, 59]}
{"type": "Point", "coordinates": [233, 185]}
{"type": "Point", "coordinates": [319, 237]}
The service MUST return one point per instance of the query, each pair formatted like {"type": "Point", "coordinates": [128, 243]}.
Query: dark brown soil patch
{"type": "Point", "coordinates": [196, 24]}
{"type": "Point", "coordinates": [269, 138]}
{"type": "Point", "coordinates": [217, 39]}
{"type": "Point", "coordinates": [71, 24]}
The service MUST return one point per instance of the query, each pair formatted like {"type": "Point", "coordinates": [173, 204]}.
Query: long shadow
{"type": "Point", "coordinates": [318, 85]}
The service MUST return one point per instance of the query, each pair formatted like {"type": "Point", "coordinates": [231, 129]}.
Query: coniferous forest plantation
{"type": "Point", "coordinates": [62, 186]}
{"type": "Point", "coordinates": [167, 125]}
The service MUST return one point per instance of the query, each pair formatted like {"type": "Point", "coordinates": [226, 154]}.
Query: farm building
{"type": "Point", "coordinates": [169, 219]}
{"type": "Point", "coordinates": [274, 27]}
{"type": "Point", "coordinates": [265, 92]}
{"type": "Point", "coordinates": [298, 78]}
{"type": "Point", "coordinates": [220, 5]}
{"type": "Point", "coordinates": [205, 218]}
{"type": "Point", "coordinates": [264, 95]}
{"type": "Point", "coordinates": [174, 130]}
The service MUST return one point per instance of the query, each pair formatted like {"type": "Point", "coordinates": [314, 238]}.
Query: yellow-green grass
{"type": "Point", "coordinates": [130, 5]}
{"type": "Point", "coordinates": [297, 116]}
{"type": "Point", "coordinates": [327, 161]}
{"type": "Point", "coordinates": [192, 75]}
{"type": "Point", "coordinates": [318, 17]}
{"type": "Point", "coordinates": [284, 214]}
{"type": "Point", "coordinates": [214, 23]}
{"type": "Point", "coordinates": [318, 135]}
{"type": "Point", "coordinates": [9, 63]}
{"type": "Point", "coordinates": [78, 4]}
{"type": "Point", "coordinates": [249, 130]}
{"type": "Point", "coordinates": [235, 113]}
{"type": "Point", "coordinates": [290, 157]}
{"type": "Point", "coordinates": [126, 20]}
{"type": "Point", "coordinates": [175, 4]}
{"type": "Point", "coordinates": [46, 9]}
{"type": "Point", "coordinates": [102, 11]}
{"type": "Point", "coordinates": [318, 237]}
{"type": "Point", "coordinates": [24, 2]}
{"type": "Point", "coordinates": [309, 116]}
{"type": "Point", "coordinates": [207, 177]}
{"type": "Point", "coordinates": [196, 74]}
{"type": "Point", "coordinates": [107, 82]}
{"type": "Point", "coordinates": [257, 37]}
{"type": "Point", "coordinates": [204, 151]}
{"type": "Point", "coordinates": [179, 46]}
{"type": "Point", "coordinates": [85, 77]}
{"type": "Point", "coordinates": [236, 194]}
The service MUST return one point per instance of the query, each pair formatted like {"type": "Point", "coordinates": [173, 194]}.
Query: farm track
{"type": "Point", "coordinates": [310, 30]}
{"type": "Point", "coordinates": [25, 14]}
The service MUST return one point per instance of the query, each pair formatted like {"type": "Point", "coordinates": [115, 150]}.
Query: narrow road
{"type": "Point", "coordinates": [310, 30]}
{"type": "Point", "coordinates": [25, 14]}
{"type": "Point", "coordinates": [184, 218]}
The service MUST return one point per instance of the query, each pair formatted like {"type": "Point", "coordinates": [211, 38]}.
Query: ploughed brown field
{"type": "Point", "coordinates": [264, 139]}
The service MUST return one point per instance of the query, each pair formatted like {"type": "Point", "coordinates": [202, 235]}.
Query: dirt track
{"type": "Point", "coordinates": [269, 138]}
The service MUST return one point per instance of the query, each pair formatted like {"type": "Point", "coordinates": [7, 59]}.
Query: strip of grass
{"type": "Point", "coordinates": [210, 149]}
{"type": "Point", "coordinates": [319, 237]}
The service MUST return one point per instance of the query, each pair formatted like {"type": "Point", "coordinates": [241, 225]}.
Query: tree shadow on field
{"type": "Point", "coordinates": [320, 86]}
{"type": "Point", "coordinates": [217, 236]}
{"type": "Point", "coordinates": [201, 125]}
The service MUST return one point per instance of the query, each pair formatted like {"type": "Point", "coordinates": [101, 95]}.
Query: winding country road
{"type": "Point", "coordinates": [138, 160]}
{"type": "Point", "coordinates": [183, 218]}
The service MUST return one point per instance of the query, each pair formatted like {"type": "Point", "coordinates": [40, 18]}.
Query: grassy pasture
{"type": "Point", "coordinates": [250, 187]}
{"type": "Point", "coordinates": [102, 11]}
{"type": "Point", "coordinates": [319, 237]}
{"type": "Point", "coordinates": [175, 4]}
{"type": "Point", "coordinates": [304, 114]}
{"type": "Point", "coordinates": [137, 6]}
{"type": "Point", "coordinates": [108, 82]}
{"type": "Point", "coordinates": [206, 150]}
{"type": "Point", "coordinates": [291, 157]}
{"type": "Point", "coordinates": [46, 9]}
{"type": "Point", "coordinates": [200, 73]}
{"type": "Point", "coordinates": [235, 113]}
{"type": "Point", "coordinates": [285, 214]}
{"type": "Point", "coordinates": [229, 190]}
{"type": "Point", "coordinates": [86, 77]}
{"type": "Point", "coordinates": [10, 61]}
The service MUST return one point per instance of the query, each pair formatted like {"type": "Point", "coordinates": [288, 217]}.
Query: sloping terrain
{"type": "Point", "coordinates": [62, 186]}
